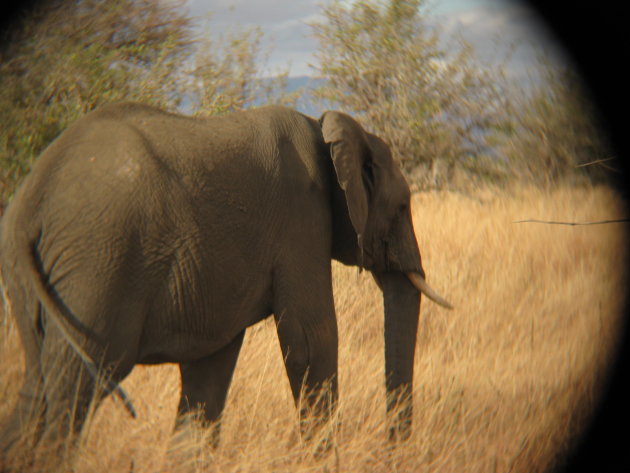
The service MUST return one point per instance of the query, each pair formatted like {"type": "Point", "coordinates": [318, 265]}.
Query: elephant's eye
{"type": "Point", "coordinates": [403, 208]}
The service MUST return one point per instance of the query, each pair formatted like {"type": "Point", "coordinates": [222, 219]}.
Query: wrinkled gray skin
{"type": "Point", "coordinates": [147, 237]}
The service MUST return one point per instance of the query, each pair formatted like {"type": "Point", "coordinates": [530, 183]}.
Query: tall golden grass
{"type": "Point", "coordinates": [502, 383]}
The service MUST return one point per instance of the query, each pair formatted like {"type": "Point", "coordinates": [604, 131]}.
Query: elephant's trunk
{"type": "Point", "coordinates": [402, 305]}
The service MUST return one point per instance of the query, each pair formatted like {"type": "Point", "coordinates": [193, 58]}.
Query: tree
{"type": "Point", "coordinates": [555, 135]}
{"type": "Point", "coordinates": [68, 58]}
{"type": "Point", "coordinates": [226, 75]}
{"type": "Point", "coordinates": [384, 63]}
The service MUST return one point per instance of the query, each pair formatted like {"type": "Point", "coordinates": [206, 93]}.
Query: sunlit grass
{"type": "Point", "coordinates": [502, 383]}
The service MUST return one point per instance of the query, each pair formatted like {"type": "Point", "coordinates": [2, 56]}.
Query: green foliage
{"type": "Point", "coordinates": [226, 75]}
{"type": "Point", "coordinates": [383, 63]}
{"type": "Point", "coordinates": [450, 120]}
{"type": "Point", "coordinates": [71, 57]}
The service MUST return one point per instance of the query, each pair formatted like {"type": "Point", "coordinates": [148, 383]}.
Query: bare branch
{"type": "Point", "coordinates": [601, 163]}
{"type": "Point", "coordinates": [551, 222]}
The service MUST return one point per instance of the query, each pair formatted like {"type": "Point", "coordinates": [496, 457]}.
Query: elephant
{"type": "Point", "coordinates": [142, 237]}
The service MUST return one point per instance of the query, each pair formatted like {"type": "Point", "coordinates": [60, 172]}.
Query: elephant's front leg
{"type": "Point", "coordinates": [205, 385]}
{"type": "Point", "coordinates": [307, 331]}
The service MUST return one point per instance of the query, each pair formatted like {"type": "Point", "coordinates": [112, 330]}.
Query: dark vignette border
{"type": "Point", "coordinates": [596, 36]}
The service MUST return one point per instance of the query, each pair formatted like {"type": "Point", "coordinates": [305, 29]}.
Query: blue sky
{"type": "Point", "coordinates": [491, 26]}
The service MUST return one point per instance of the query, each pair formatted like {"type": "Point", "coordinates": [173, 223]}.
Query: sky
{"type": "Point", "coordinates": [494, 27]}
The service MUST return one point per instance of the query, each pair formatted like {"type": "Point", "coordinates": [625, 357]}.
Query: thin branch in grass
{"type": "Point", "coordinates": [601, 163]}
{"type": "Point", "coordinates": [551, 222]}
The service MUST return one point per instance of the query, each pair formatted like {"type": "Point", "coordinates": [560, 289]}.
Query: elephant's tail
{"type": "Point", "coordinates": [62, 318]}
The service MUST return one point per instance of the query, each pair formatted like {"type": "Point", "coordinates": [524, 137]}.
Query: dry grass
{"type": "Point", "coordinates": [503, 382]}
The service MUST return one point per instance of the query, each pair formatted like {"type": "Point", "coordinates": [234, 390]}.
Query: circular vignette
{"type": "Point", "coordinates": [595, 37]}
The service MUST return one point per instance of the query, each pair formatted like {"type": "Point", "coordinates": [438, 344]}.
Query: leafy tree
{"type": "Point", "coordinates": [68, 58]}
{"type": "Point", "coordinates": [383, 62]}
{"type": "Point", "coordinates": [227, 75]}
{"type": "Point", "coordinates": [443, 112]}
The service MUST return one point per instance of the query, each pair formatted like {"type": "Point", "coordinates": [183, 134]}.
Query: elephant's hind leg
{"type": "Point", "coordinates": [26, 421]}
{"type": "Point", "coordinates": [205, 384]}
{"type": "Point", "coordinates": [68, 387]}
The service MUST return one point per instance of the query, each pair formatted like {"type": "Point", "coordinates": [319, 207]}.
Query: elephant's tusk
{"type": "Point", "coordinates": [422, 286]}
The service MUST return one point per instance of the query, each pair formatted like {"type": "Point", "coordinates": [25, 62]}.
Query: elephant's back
{"type": "Point", "coordinates": [89, 185]}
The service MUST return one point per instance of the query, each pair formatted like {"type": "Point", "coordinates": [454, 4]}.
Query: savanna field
{"type": "Point", "coordinates": [502, 383]}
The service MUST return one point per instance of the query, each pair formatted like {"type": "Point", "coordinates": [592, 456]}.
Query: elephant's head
{"type": "Point", "coordinates": [374, 230]}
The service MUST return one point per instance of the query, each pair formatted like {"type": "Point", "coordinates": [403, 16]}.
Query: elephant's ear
{"type": "Point", "coordinates": [352, 159]}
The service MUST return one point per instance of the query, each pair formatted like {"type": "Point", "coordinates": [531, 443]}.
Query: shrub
{"type": "Point", "coordinates": [555, 135]}
{"type": "Point", "coordinates": [70, 57]}
{"type": "Point", "coordinates": [384, 63]}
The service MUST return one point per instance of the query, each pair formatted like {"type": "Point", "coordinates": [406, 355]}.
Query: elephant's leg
{"type": "Point", "coordinates": [105, 298]}
{"type": "Point", "coordinates": [69, 388]}
{"type": "Point", "coordinates": [205, 384]}
{"type": "Point", "coordinates": [307, 330]}
{"type": "Point", "coordinates": [26, 421]}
